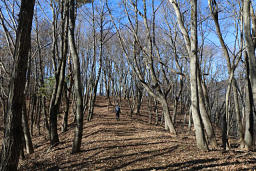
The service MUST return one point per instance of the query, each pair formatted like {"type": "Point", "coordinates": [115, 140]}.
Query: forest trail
{"type": "Point", "coordinates": [129, 144]}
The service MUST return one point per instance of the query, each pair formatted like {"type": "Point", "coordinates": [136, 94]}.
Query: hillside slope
{"type": "Point", "coordinates": [130, 144]}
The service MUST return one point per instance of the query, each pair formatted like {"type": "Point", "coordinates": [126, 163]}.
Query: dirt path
{"type": "Point", "coordinates": [129, 144]}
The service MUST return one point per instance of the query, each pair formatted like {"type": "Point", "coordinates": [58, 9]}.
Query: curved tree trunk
{"type": "Point", "coordinates": [77, 80]}
{"type": "Point", "coordinates": [205, 117]}
{"type": "Point", "coordinates": [214, 13]}
{"type": "Point", "coordinates": [168, 123]}
{"type": "Point", "coordinates": [59, 77]}
{"type": "Point", "coordinates": [191, 43]}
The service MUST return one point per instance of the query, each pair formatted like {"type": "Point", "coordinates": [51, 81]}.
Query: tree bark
{"type": "Point", "coordinates": [77, 80]}
{"type": "Point", "coordinates": [251, 75]}
{"type": "Point", "coordinates": [249, 128]}
{"type": "Point", "coordinates": [27, 136]}
{"type": "Point", "coordinates": [65, 118]}
{"type": "Point", "coordinates": [167, 119]}
{"type": "Point", "coordinates": [240, 131]}
{"type": "Point", "coordinates": [200, 137]}
{"type": "Point", "coordinates": [95, 85]}
{"type": "Point", "coordinates": [205, 116]}
{"type": "Point", "coordinates": [175, 107]}
{"type": "Point", "coordinates": [214, 13]}
{"type": "Point", "coordinates": [11, 146]}
{"type": "Point", "coordinates": [192, 47]}
{"type": "Point", "coordinates": [250, 48]}
{"type": "Point", "coordinates": [59, 78]}
{"type": "Point", "coordinates": [139, 94]}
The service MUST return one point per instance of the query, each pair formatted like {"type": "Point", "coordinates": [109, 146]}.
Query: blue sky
{"type": "Point", "coordinates": [228, 32]}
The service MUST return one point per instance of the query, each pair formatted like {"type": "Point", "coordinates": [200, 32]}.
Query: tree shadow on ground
{"type": "Point", "coordinates": [123, 158]}
{"type": "Point", "coordinates": [118, 131]}
{"type": "Point", "coordinates": [134, 145]}
{"type": "Point", "coordinates": [143, 158]}
{"type": "Point", "coordinates": [132, 139]}
{"type": "Point", "coordinates": [197, 164]}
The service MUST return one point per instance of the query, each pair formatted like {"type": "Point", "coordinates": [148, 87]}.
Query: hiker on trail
{"type": "Point", "coordinates": [117, 112]}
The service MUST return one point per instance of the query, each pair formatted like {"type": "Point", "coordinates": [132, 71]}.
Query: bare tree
{"type": "Point", "coordinates": [11, 146]}
{"type": "Point", "coordinates": [77, 79]}
{"type": "Point", "coordinates": [231, 66]}
{"type": "Point", "coordinates": [192, 49]}
{"type": "Point", "coordinates": [251, 72]}
{"type": "Point", "coordinates": [94, 80]}
{"type": "Point", "coordinates": [148, 52]}
{"type": "Point", "coordinates": [59, 69]}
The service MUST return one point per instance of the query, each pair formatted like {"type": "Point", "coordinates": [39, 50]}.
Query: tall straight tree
{"type": "Point", "coordinates": [249, 32]}
{"type": "Point", "coordinates": [231, 66]}
{"type": "Point", "coordinates": [192, 48]}
{"type": "Point", "coordinates": [77, 79]}
{"type": "Point", "coordinates": [60, 72]}
{"type": "Point", "coordinates": [12, 141]}
{"type": "Point", "coordinates": [249, 29]}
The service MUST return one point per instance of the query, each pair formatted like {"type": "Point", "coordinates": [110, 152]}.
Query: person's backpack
{"type": "Point", "coordinates": [117, 109]}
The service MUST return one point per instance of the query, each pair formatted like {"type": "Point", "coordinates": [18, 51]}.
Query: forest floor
{"type": "Point", "coordinates": [131, 144]}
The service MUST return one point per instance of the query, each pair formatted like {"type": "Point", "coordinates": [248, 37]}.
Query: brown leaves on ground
{"type": "Point", "coordinates": [131, 144]}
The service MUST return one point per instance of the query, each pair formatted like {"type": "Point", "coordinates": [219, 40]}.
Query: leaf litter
{"type": "Point", "coordinates": [131, 144]}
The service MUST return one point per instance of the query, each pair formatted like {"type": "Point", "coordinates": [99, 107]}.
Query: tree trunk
{"type": "Point", "coordinates": [190, 119]}
{"type": "Point", "coordinates": [59, 78]}
{"type": "Point", "coordinates": [191, 43]}
{"type": "Point", "coordinates": [28, 141]}
{"type": "Point", "coordinates": [55, 104]}
{"type": "Point", "coordinates": [205, 116]}
{"type": "Point", "coordinates": [214, 12]}
{"type": "Point", "coordinates": [95, 79]}
{"type": "Point", "coordinates": [149, 109]}
{"type": "Point", "coordinates": [167, 119]}
{"type": "Point", "coordinates": [65, 118]}
{"type": "Point", "coordinates": [250, 48]}
{"type": "Point", "coordinates": [46, 123]}
{"type": "Point", "coordinates": [175, 110]}
{"type": "Point", "coordinates": [225, 117]}
{"type": "Point", "coordinates": [77, 80]}
{"type": "Point", "coordinates": [225, 143]}
{"type": "Point", "coordinates": [200, 137]}
{"type": "Point", "coordinates": [42, 97]}
{"type": "Point", "coordinates": [249, 132]}
{"type": "Point", "coordinates": [32, 115]}
{"type": "Point", "coordinates": [240, 130]}
{"type": "Point", "coordinates": [139, 98]}
{"type": "Point", "coordinates": [251, 75]}
{"type": "Point", "coordinates": [11, 146]}
{"type": "Point", "coordinates": [156, 112]}
{"type": "Point", "coordinates": [198, 125]}
{"type": "Point", "coordinates": [248, 135]}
